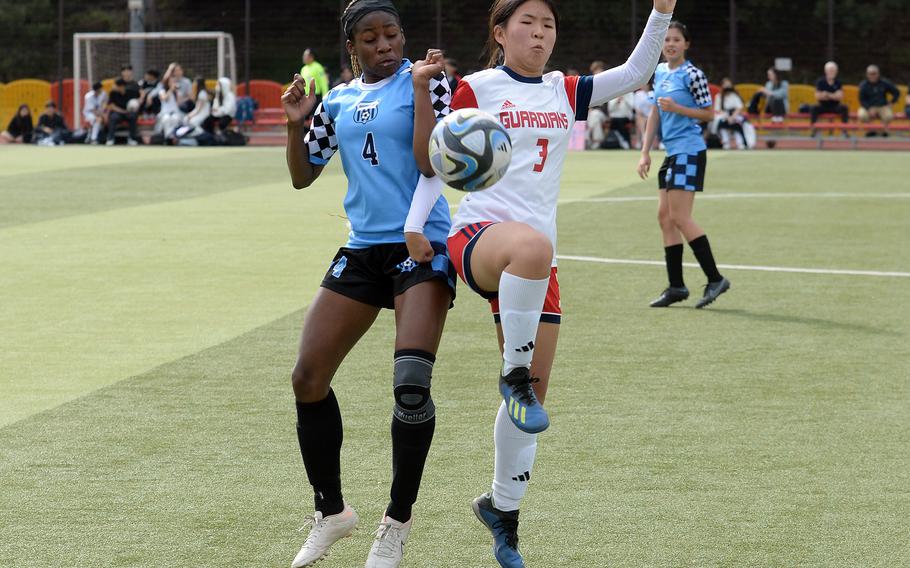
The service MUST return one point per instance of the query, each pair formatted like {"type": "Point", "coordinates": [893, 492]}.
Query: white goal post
{"type": "Point", "coordinates": [99, 56]}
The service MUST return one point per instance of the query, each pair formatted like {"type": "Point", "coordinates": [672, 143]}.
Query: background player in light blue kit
{"type": "Point", "coordinates": [371, 123]}
{"type": "Point", "coordinates": [682, 96]}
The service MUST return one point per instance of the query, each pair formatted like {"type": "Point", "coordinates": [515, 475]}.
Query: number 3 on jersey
{"type": "Point", "coordinates": [369, 150]}
{"type": "Point", "coordinates": [543, 144]}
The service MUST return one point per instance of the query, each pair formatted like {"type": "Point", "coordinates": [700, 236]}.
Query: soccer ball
{"type": "Point", "coordinates": [470, 150]}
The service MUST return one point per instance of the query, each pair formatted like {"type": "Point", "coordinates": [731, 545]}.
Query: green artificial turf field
{"type": "Point", "coordinates": [151, 301]}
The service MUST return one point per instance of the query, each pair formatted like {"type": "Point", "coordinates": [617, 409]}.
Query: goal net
{"type": "Point", "coordinates": [99, 56]}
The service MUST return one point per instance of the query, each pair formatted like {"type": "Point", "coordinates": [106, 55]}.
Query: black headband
{"type": "Point", "coordinates": [360, 8]}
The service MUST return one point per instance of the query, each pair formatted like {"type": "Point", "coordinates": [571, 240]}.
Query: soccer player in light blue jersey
{"type": "Point", "coordinates": [371, 123]}
{"type": "Point", "coordinates": [683, 100]}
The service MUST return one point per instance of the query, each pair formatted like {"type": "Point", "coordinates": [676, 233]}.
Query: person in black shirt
{"type": "Point", "coordinates": [20, 127]}
{"type": "Point", "coordinates": [51, 129]}
{"type": "Point", "coordinates": [829, 92]}
{"type": "Point", "coordinates": [118, 101]}
{"type": "Point", "coordinates": [131, 86]}
{"type": "Point", "coordinates": [149, 103]}
{"type": "Point", "coordinates": [873, 99]}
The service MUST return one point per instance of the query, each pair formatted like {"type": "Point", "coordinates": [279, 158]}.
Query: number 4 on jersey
{"type": "Point", "coordinates": [369, 150]}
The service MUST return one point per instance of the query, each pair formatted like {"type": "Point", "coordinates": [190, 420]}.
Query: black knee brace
{"type": "Point", "coordinates": [413, 372]}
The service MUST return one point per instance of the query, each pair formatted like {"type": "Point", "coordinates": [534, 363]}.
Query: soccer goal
{"type": "Point", "coordinates": [99, 56]}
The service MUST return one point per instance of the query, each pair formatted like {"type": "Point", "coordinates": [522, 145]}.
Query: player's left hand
{"type": "Point", "coordinates": [428, 68]}
{"type": "Point", "coordinates": [665, 6]}
{"type": "Point", "coordinates": [419, 248]}
{"type": "Point", "coordinates": [667, 104]}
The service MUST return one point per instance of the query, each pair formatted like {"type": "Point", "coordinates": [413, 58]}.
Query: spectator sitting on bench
{"type": "Point", "coordinates": [148, 93]}
{"type": "Point", "coordinates": [192, 122]}
{"type": "Point", "coordinates": [20, 127]}
{"type": "Point", "coordinates": [130, 85]}
{"type": "Point", "coordinates": [119, 100]}
{"type": "Point", "coordinates": [829, 92]}
{"type": "Point", "coordinates": [51, 130]}
{"type": "Point", "coordinates": [621, 111]}
{"type": "Point", "coordinates": [873, 99]}
{"type": "Point", "coordinates": [729, 115]}
{"type": "Point", "coordinates": [777, 93]}
{"type": "Point", "coordinates": [171, 115]}
{"type": "Point", "coordinates": [224, 106]}
{"type": "Point", "coordinates": [643, 108]}
{"type": "Point", "coordinates": [94, 111]}
{"type": "Point", "coordinates": [595, 128]}
{"type": "Point", "coordinates": [183, 85]}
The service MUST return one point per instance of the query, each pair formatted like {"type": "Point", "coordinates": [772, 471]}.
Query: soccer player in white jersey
{"type": "Point", "coordinates": [503, 239]}
{"type": "Point", "coordinates": [370, 123]}
{"type": "Point", "coordinates": [683, 102]}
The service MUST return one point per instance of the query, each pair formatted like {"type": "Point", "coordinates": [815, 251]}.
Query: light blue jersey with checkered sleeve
{"type": "Point", "coordinates": [688, 86]}
{"type": "Point", "coordinates": [372, 127]}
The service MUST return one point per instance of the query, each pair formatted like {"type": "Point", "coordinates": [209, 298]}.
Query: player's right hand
{"type": "Point", "coordinates": [297, 104]}
{"type": "Point", "coordinates": [430, 67]}
{"type": "Point", "coordinates": [419, 248]}
{"type": "Point", "coordinates": [644, 166]}
{"type": "Point", "coordinates": [665, 6]}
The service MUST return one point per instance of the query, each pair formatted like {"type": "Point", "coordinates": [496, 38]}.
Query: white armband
{"type": "Point", "coordinates": [425, 197]}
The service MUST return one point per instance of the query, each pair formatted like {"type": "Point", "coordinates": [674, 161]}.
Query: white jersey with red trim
{"type": "Point", "coordinates": [539, 114]}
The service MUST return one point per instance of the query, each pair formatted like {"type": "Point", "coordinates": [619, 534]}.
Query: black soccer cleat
{"type": "Point", "coordinates": [671, 296]}
{"type": "Point", "coordinates": [712, 291]}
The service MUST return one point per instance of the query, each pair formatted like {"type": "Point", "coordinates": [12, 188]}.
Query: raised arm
{"type": "Point", "coordinates": [431, 103]}
{"type": "Point", "coordinates": [297, 106]}
{"type": "Point", "coordinates": [641, 64]}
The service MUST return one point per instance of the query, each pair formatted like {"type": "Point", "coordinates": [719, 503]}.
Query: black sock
{"type": "Point", "coordinates": [702, 249]}
{"type": "Point", "coordinates": [319, 432]}
{"type": "Point", "coordinates": [410, 446]}
{"type": "Point", "coordinates": [674, 256]}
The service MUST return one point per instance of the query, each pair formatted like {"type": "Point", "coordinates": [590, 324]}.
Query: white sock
{"type": "Point", "coordinates": [520, 304]}
{"type": "Point", "coordinates": [515, 452]}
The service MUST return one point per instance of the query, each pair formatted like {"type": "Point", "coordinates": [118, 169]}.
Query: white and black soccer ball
{"type": "Point", "coordinates": [470, 150]}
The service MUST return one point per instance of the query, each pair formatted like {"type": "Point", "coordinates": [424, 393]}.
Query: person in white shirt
{"type": "Point", "coordinates": [170, 116]}
{"type": "Point", "coordinates": [622, 114]}
{"type": "Point", "coordinates": [595, 128]}
{"type": "Point", "coordinates": [224, 107]}
{"type": "Point", "coordinates": [93, 111]}
{"type": "Point", "coordinates": [201, 109]}
{"type": "Point", "coordinates": [643, 108]}
{"type": "Point", "coordinates": [730, 116]}
{"type": "Point", "coordinates": [503, 239]}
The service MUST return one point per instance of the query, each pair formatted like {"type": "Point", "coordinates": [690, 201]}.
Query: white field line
{"type": "Point", "coordinates": [742, 267]}
{"type": "Point", "coordinates": [745, 196]}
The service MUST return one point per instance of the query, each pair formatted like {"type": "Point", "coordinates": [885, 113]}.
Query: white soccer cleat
{"type": "Point", "coordinates": [325, 532]}
{"type": "Point", "coordinates": [388, 546]}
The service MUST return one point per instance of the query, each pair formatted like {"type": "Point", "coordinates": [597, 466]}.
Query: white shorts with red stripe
{"type": "Point", "coordinates": [462, 244]}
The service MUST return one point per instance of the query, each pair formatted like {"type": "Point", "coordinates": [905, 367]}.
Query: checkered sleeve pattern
{"type": "Point", "coordinates": [441, 96]}
{"type": "Point", "coordinates": [698, 86]}
{"type": "Point", "coordinates": [321, 141]}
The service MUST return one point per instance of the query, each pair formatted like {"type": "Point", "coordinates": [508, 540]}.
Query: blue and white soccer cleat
{"type": "Point", "coordinates": [524, 409]}
{"type": "Point", "coordinates": [504, 526]}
